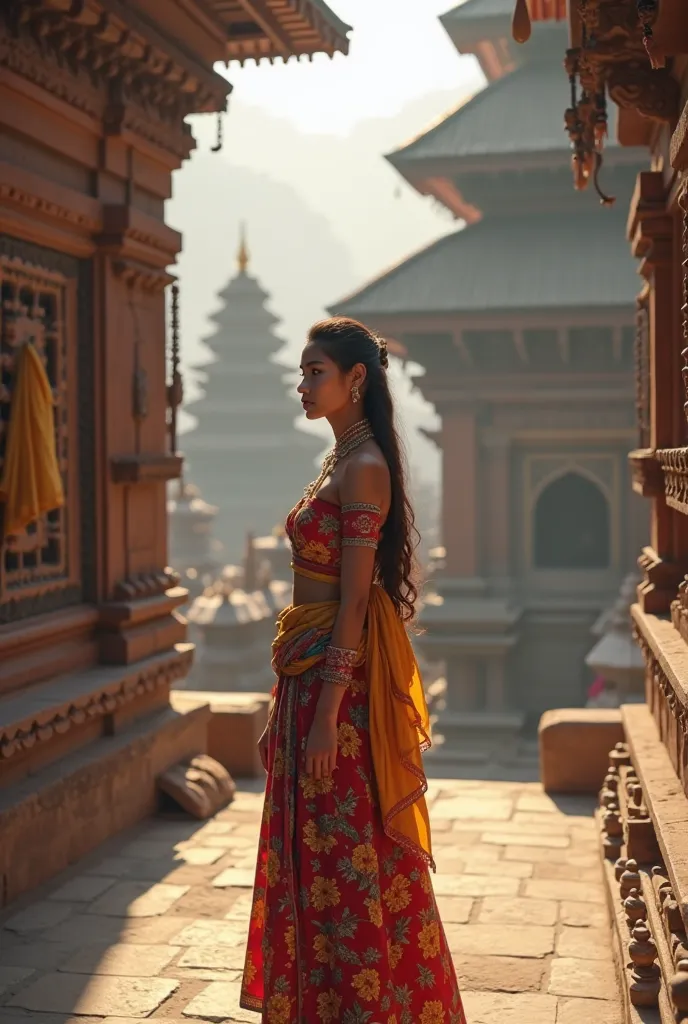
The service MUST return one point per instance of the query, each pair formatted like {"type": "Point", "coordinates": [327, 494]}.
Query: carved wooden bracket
{"type": "Point", "coordinates": [126, 66]}
{"type": "Point", "coordinates": [151, 584]}
{"type": "Point", "coordinates": [654, 94]}
{"type": "Point", "coordinates": [646, 473]}
{"type": "Point", "coordinates": [137, 275]}
{"type": "Point", "coordinates": [135, 469]}
{"type": "Point", "coordinates": [613, 57]}
{"type": "Point", "coordinates": [660, 582]}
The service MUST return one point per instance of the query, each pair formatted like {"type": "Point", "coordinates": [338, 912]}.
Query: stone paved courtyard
{"type": "Point", "coordinates": [153, 924]}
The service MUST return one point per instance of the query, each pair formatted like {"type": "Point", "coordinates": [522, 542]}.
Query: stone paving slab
{"type": "Point", "coordinates": [72, 993]}
{"type": "Point", "coordinates": [153, 925]}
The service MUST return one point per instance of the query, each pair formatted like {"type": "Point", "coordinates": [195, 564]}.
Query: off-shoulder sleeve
{"type": "Point", "coordinates": [361, 523]}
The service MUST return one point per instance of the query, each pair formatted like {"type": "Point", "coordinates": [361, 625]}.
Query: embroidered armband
{"type": "Point", "coordinates": [361, 525]}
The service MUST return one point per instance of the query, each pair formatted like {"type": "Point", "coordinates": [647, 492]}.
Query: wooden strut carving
{"type": "Point", "coordinates": [117, 70]}
{"type": "Point", "coordinates": [612, 58]}
{"type": "Point", "coordinates": [683, 204]}
{"type": "Point", "coordinates": [660, 581]}
{"type": "Point", "coordinates": [24, 735]}
{"type": "Point", "coordinates": [646, 473]}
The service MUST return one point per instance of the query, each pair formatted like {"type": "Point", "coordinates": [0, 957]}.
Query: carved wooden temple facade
{"type": "Point", "coordinates": [93, 96]}
{"type": "Point", "coordinates": [524, 323]}
{"type": "Point", "coordinates": [637, 55]}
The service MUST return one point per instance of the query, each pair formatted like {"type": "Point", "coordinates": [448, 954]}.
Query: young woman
{"type": "Point", "coordinates": [344, 927]}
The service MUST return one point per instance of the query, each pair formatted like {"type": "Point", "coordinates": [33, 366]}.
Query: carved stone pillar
{"type": "Point", "coordinates": [459, 492]}
{"type": "Point", "coordinates": [496, 495]}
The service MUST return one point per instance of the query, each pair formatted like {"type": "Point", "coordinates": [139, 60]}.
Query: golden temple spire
{"type": "Point", "coordinates": [243, 254]}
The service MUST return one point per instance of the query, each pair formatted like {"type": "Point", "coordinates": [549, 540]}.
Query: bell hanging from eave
{"type": "Point", "coordinates": [520, 23]}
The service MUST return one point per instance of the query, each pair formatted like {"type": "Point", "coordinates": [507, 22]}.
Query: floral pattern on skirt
{"type": "Point", "coordinates": [344, 926]}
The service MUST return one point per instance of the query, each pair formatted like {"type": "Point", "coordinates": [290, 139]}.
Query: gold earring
{"type": "Point", "coordinates": [355, 394]}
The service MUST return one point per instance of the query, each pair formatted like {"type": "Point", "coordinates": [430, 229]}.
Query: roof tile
{"type": "Point", "coordinates": [544, 262]}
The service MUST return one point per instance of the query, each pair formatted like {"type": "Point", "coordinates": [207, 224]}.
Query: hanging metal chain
{"type": "Point", "coordinates": [139, 398]}
{"type": "Point", "coordinates": [175, 389]}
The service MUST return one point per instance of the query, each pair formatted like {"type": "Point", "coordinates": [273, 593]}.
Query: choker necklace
{"type": "Point", "coordinates": [352, 438]}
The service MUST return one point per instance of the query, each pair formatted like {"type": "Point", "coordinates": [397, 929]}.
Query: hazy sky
{"type": "Point", "coordinates": [305, 140]}
{"type": "Point", "coordinates": [399, 52]}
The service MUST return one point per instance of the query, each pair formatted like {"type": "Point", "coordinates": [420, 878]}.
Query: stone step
{"type": "Point", "coordinates": [236, 724]}
{"type": "Point", "coordinates": [41, 723]}
{"type": "Point", "coordinates": [90, 795]}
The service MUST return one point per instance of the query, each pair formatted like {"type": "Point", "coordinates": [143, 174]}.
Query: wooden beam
{"type": "Point", "coordinates": [262, 14]}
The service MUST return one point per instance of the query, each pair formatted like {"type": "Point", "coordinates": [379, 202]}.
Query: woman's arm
{"type": "Point", "coordinates": [365, 481]}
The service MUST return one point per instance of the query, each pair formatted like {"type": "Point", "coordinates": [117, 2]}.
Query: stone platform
{"type": "Point", "coordinates": [152, 925]}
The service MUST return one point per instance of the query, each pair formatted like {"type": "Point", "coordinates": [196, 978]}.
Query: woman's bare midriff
{"type": "Point", "coordinates": [307, 591]}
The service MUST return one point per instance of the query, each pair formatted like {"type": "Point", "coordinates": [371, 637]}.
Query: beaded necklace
{"type": "Point", "coordinates": [352, 438]}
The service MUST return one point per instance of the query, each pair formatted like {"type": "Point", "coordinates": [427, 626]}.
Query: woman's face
{"type": "Point", "coordinates": [325, 389]}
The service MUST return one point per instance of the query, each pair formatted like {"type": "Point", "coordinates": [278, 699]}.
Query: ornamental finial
{"type": "Point", "coordinates": [243, 254]}
{"type": "Point", "coordinates": [520, 25]}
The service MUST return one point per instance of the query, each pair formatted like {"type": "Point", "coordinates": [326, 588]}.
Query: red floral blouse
{"type": "Point", "coordinates": [318, 529]}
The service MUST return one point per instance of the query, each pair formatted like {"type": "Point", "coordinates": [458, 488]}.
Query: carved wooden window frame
{"type": "Point", "coordinates": [603, 469]}
{"type": "Point", "coordinates": [58, 585]}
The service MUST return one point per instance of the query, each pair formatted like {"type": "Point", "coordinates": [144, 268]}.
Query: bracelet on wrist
{"type": "Point", "coordinates": [339, 665]}
{"type": "Point", "coordinates": [337, 679]}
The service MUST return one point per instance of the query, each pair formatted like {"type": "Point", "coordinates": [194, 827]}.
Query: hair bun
{"type": "Point", "coordinates": [382, 346]}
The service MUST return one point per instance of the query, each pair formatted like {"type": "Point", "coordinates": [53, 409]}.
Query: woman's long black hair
{"type": "Point", "coordinates": [347, 342]}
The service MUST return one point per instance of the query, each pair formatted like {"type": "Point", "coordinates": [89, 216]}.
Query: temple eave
{"type": "Point", "coordinates": [271, 31]}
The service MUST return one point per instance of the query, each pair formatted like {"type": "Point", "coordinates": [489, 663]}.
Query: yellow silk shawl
{"type": "Point", "coordinates": [31, 483]}
{"type": "Point", "coordinates": [398, 713]}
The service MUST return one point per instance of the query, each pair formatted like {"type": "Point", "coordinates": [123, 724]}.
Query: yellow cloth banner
{"type": "Point", "coordinates": [31, 483]}
{"type": "Point", "coordinates": [399, 719]}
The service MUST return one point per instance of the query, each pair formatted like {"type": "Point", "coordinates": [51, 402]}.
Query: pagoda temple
{"type": "Point", "coordinates": [245, 452]}
{"type": "Point", "coordinates": [523, 321]}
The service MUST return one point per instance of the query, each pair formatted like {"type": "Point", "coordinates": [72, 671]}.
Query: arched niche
{"type": "Point", "coordinates": [571, 524]}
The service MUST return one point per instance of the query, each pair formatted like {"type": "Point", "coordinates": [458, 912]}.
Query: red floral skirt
{"type": "Point", "coordinates": [344, 926]}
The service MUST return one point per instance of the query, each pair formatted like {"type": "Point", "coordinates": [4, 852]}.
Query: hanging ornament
{"type": "Point", "coordinates": [647, 15]}
{"type": "Point", "coordinates": [520, 25]}
{"type": "Point", "coordinates": [219, 143]}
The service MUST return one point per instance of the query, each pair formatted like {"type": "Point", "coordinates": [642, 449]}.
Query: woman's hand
{"type": "Point", "coordinates": [263, 746]}
{"type": "Point", "coordinates": [321, 749]}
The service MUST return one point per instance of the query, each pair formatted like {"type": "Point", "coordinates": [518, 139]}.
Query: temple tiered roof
{"type": "Point", "coordinates": [520, 113]}
{"type": "Point", "coordinates": [571, 261]}
{"type": "Point", "coordinates": [280, 28]}
{"type": "Point", "coordinates": [501, 162]}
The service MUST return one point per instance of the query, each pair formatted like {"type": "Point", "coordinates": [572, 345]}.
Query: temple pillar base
{"type": "Point", "coordinates": [90, 795]}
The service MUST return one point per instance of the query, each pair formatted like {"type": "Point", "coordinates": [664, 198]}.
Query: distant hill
{"type": "Point", "coordinates": [324, 214]}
